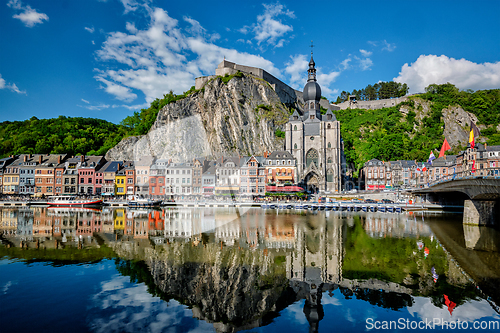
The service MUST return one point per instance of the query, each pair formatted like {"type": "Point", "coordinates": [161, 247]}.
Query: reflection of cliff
{"type": "Point", "coordinates": [276, 262]}
{"type": "Point", "coordinates": [231, 286]}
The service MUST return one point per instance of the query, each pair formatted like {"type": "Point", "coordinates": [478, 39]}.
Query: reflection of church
{"type": "Point", "coordinates": [314, 140]}
{"type": "Point", "coordinates": [316, 264]}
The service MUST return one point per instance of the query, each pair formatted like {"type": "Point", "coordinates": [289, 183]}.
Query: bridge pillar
{"type": "Point", "coordinates": [482, 212]}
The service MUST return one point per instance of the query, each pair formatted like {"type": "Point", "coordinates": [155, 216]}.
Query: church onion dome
{"type": "Point", "coordinates": [312, 91]}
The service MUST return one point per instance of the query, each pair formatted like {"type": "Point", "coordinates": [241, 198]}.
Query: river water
{"type": "Point", "coordinates": [229, 269]}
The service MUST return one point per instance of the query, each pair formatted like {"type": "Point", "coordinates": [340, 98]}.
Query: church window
{"type": "Point", "coordinates": [311, 105]}
{"type": "Point", "coordinates": [329, 160]}
{"type": "Point", "coordinates": [329, 117]}
{"type": "Point", "coordinates": [312, 137]}
{"type": "Point", "coordinates": [329, 175]}
{"type": "Point", "coordinates": [312, 157]}
{"type": "Point", "coordinates": [295, 146]}
{"type": "Point", "coordinates": [295, 118]}
{"type": "Point", "coordinates": [329, 126]}
{"type": "Point", "coordinates": [295, 127]}
{"type": "Point", "coordinates": [329, 145]}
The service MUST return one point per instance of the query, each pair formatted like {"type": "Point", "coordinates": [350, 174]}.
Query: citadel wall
{"type": "Point", "coordinates": [372, 105]}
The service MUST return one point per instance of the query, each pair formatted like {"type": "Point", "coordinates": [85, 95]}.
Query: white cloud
{"type": "Point", "coordinates": [120, 92]}
{"type": "Point", "coordinates": [385, 45]}
{"type": "Point", "coordinates": [388, 46]}
{"type": "Point", "coordinates": [465, 74]}
{"type": "Point", "coordinates": [99, 106]}
{"type": "Point", "coordinates": [11, 86]}
{"type": "Point", "coordinates": [297, 69]}
{"type": "Point", "coordinates": [163, 57]}
{"type": "Point", "coordinates": [15, 4]}
{"type": "Point", "coordinates": [29, 16]}
{"type": "Point", "coordinates": [365, 53]}
{"type": "Point", "coordinates": [345, 63]}
{"type": "Point", "coordinates": [91, 30]}
{"type": "Point", "coordinates": [268, 28]}
{"type": "Point", "coordinates": [365, 64]}
{"type": "Point", "coordinates": [131, 5]}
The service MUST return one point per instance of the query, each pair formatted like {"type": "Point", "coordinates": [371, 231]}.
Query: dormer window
{"type": "Point", "coordinates": [329, 117]}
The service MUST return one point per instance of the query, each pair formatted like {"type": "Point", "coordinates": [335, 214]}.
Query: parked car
{"type": "Point", "coordinates": [370, 201]}
{"type": "Point", "coordinates": [387, 201]}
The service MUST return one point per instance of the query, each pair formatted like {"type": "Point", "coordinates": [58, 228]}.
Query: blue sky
{"type": "Point", "coordinates": [108, 58]}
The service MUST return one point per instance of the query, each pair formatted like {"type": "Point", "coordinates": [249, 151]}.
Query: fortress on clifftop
{"type": "Point", "coordinates": [286, 94]}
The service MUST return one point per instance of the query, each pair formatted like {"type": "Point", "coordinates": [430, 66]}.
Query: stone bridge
{"type": "Point", "coordinates": [482, 206]}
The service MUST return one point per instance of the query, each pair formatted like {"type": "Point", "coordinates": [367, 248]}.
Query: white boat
{"type": "Point", "coordinates": [135, 201]}
{"type": "Point", "coordinates": [72, 201]}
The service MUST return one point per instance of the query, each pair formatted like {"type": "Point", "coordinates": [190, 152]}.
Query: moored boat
{"type": "Point", "coordinates": [72, 201]}
{"type": "Point", "coordinates": [135, 201]}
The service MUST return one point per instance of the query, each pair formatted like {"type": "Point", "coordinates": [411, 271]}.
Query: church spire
{"type": "Point", "coordinates": [312, 70]}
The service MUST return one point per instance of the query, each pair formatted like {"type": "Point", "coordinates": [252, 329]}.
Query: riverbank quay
{"type": "Point", "coordinates": [279, 205]}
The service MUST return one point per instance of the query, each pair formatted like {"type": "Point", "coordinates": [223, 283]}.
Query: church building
{"type": "Point", "coordinates": [314, 140]}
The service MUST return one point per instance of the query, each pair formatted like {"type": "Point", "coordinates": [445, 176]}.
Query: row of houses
{"type": "Point", "coordinates": [60, 174]}
{"type": "Point", "coordinates": [481, 160]}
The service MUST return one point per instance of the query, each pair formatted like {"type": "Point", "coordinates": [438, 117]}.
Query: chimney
{"type": "Point", "coordinates": [25, 158]}
{"type": "Point", "coordinates": [39, 159]}
{"type": "Point", "coordinates": [82, 158]}
{"type": "Point", "coordinates": [485, 145]}
{"type": "Point", "coordinates": [59, 159]}
{"type": "Point", "coordinates": [265, 154]}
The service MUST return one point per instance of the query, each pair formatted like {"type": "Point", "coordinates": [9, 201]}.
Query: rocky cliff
{"type": "Point", "coordinates": [237, 117]}
{"type": "Point", "coordinates": [456, 120]}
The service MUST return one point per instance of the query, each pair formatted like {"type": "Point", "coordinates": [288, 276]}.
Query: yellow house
{"type": "Point", "coordinates": [120, 183]}
{"type": "Point", "coordinates": [119, 219]}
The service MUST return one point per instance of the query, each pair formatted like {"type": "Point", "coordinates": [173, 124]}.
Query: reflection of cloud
{"type": "Point", "coordinates": [130, 308]}
{"type": "Point", "coordinates": [6, 286]}
{"type": "Point", "coordinates": [326, 299]}
{"type": "Point", "coordinates": [297, 312]}
{"type": "Point", "coordinates": [470, 311]}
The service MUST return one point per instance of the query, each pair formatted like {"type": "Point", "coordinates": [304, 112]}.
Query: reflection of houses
{"type": "Point", "coordinates": [8, 222]}
{"type": "Point", "coordinates": [383, 225]}
{"type": "Point", "coordinates": [42, 223]}
{"type": "Point", "coordinates": [25, 224]}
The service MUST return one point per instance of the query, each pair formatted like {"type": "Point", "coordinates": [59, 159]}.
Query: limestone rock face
{"type": "Point", "coordinates": [456, 121]}
{"type": "Point", "coordinates": [220, 119]}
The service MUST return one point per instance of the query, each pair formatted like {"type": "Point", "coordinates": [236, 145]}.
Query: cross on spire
{"type": "Point", "coordinates": [312, 45]}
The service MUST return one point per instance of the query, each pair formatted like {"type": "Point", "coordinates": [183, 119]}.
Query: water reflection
{"type": "Point", "coordinates": [240, 269]}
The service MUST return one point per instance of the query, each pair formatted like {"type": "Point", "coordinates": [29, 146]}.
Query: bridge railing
{"type": "Point", "coordinates": [492, 173]}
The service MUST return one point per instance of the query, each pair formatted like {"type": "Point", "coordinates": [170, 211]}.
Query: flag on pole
{"type": "Point", "coordinates": [473, 166]}
{"type": "Point", "coordinates": [444, 148]}
{"type": "Point", "coordinates": [423, 167]}
{"type": "Point", "coordinates": [431, 157]}
{"type": "Point", "coordinates": [471, 136]}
